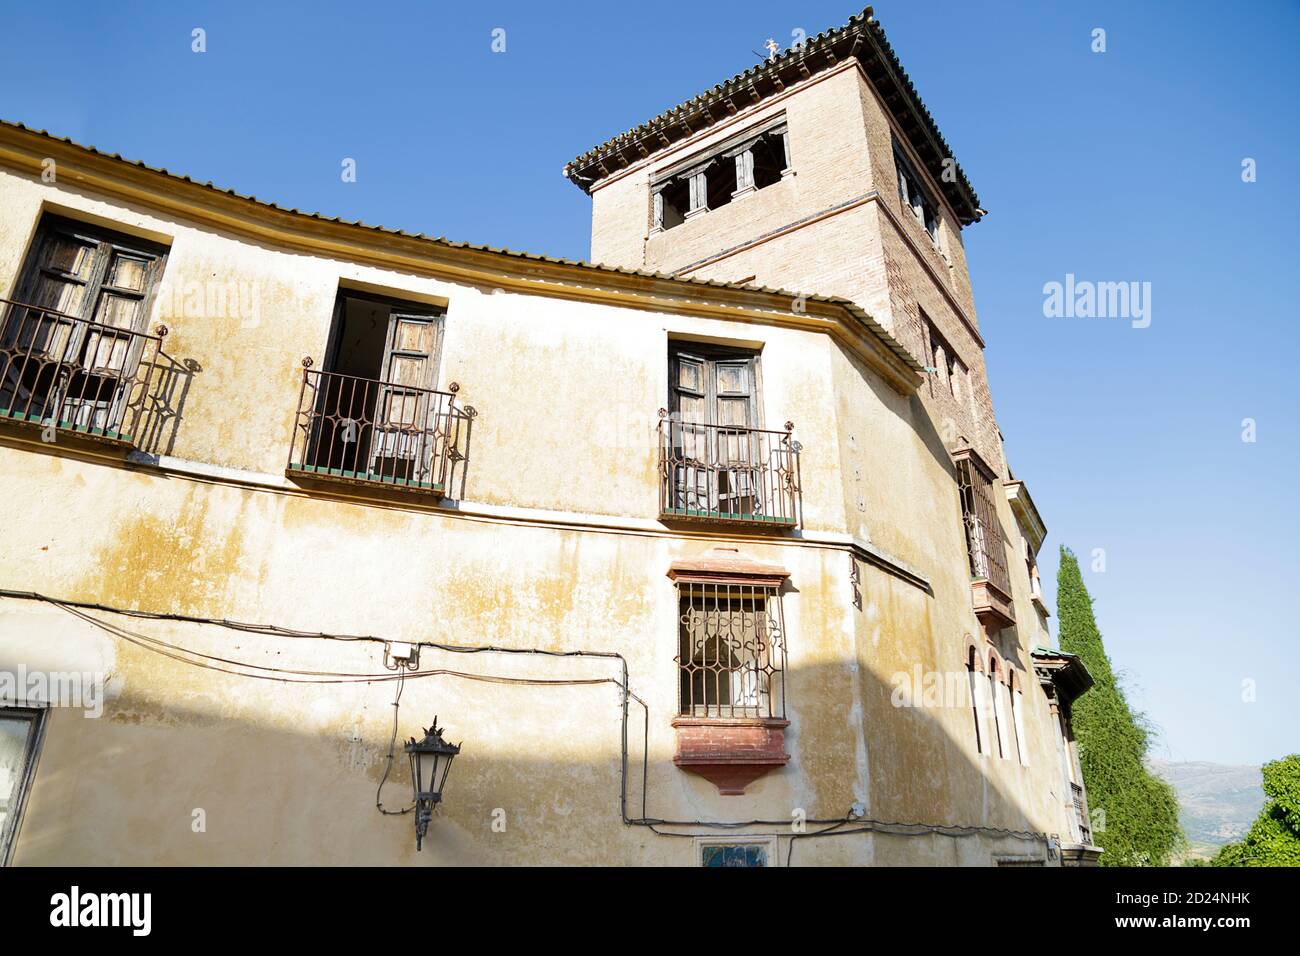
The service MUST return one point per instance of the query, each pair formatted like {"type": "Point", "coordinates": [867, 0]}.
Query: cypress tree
{"type": "Point", "coordinates": [1138, 820]}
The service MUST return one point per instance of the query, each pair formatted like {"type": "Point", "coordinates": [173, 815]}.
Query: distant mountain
{"type": "Point", "coordinates": [1217, 802]}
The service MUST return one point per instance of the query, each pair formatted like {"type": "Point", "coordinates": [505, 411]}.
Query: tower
{"type": "Point", "coordinates": [820, 172]}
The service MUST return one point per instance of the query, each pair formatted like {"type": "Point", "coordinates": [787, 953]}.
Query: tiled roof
{"type": "Point", "coordinates": [863, 38]}
{"type": "Point", "coordinates": [685, 282]}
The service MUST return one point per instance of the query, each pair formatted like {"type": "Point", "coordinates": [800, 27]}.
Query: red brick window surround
{"type": "Point", "coordinates": [731, 664]}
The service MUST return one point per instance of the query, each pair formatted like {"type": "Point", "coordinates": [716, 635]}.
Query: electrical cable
{"type": "Point", "coordinates": [267, 672]}
{"type": "Point", "coordinates": [392, 745]}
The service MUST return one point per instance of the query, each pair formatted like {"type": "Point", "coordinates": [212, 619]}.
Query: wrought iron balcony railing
{"type": "Point", "coordinates": [75, 375]}
{"type": "Point", "coordinates": [374, 432]}
{"type": "Point", "coordinates": [727, 473]}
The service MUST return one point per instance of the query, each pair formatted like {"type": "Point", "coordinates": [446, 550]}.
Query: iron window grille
{"type": "Point", "coordinates": [731, 650]}
{"type": "Point", "coordinates": [984, 543]}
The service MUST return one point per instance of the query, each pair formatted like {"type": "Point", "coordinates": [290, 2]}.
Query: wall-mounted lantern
{"type": "Point", "coordinates": [430, 761]}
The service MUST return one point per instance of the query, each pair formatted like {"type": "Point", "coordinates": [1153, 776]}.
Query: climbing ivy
{"type": "Point", "coordinates": [1135, 813]}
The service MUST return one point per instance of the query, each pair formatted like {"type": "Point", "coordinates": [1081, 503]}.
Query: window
{"type": "Point", "coordinates": [979, 515]}
{"type": "Point", "coordinates": [716, 462]}
{"type": "Point", "coordinates": [736, 851]}
{"type": "Point", "coordinates": [731, 649]}
{"type": "Point", "coordinates": [20, 734]}
{"type": "Point", "coordinates": [73, 348]}
{"type": "Point", "coordinates": [1031, 565]}
{"type": "Point", "coordinates": [1016, 703]}
{"type": "Point", "coordinates": [946, 366]}
{"type": "Point", "coordinates": [973, 682]}
{"type": "Point", "coordinates": [373, 414]}
{"type": "Point", "coordinates": [995, 698]}
{"type": "Point", "coordinates": [914, 197]}
{"type": "Point", "coordinates": [741, 166]}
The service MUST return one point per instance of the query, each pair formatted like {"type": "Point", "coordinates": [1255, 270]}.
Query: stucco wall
{"type": "Point", "coordinates": [555, 546]}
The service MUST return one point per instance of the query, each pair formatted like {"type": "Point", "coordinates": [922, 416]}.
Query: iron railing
{"type": "Point", "coordinates": [1081, 814]}
{"type": "Point", "coordinates": [731, 654]}
{"type": "Point", "coordinates": [728, 473]}
{"type": "Point", "coordinates": [983, 530]}
{"type": "Point", "coordinates": [375, 432]}
{"type": "Point", "coordinates": [70, 374]}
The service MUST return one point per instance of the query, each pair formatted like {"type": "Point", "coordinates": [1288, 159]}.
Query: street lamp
{"type": "Point", "coordinates": [430, 761]}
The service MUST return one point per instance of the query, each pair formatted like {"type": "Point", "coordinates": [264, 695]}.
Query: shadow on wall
{"type": "Point", "coordinates": [173, 780]}
{"type": "Point", "coordinates": [164, 405]}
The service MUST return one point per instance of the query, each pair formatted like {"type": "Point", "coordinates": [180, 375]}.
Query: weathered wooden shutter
{"type": "Point", "coordinates": [737, 454]}
{"type": "Point", "coordinates": [712, 398]}
{"type": "Point", "coordinates": [80, 273]}
{"type": "Point", "coordinates": [406, 416]}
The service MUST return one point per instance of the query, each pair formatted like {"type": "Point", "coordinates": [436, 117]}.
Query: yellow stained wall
{"type": "Point", "coordinates": [556, 547]}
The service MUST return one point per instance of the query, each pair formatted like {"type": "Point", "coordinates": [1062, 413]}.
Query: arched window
{"type": "Point", "coordinates": [1015, 702]}
{"type": "Point", "coordinates": [972, 683]}
{"type": "Point", "coordinates": [995, 698]}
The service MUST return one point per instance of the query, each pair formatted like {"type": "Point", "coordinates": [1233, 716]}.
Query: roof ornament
{"type": "Point", "coordinates": [772, 49]}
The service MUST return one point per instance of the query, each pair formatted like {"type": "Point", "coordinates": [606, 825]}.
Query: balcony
{"type": "Point", "coordinates": [726, 474]}
{"type": "Point", "coordinates": [74, 375]}
{"type": "Point", "coordinates": [379, 434]}
{"type": "Point", "coordinates": [1081, 814]}
{"type": "Point", "coordinates": [985, 542]}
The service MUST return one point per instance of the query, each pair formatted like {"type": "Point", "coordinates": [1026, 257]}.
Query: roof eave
{"type": "Point", "coordinates": [862, 39]}
{"type": "Point", "coordinates": [25, 149]}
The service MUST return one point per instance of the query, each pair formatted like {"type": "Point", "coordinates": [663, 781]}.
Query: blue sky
{"type": "Point", "coordinates": [1115, 166]}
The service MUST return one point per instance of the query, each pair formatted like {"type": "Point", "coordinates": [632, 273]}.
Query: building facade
{"type": "Point", "coordinates": [696, 551]}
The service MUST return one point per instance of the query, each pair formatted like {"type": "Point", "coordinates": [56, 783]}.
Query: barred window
{"type": "Point", "coordinates": [979, 515]}
{"type": "Point", "coordinates": [731, 653]}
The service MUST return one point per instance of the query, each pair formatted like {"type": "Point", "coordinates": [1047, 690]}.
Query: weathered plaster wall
{"type": "Point", "coordinates": [566, 392]}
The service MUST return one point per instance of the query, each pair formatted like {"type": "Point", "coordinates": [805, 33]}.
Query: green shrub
{"type": "Point", "coordinates": [1274, 838]}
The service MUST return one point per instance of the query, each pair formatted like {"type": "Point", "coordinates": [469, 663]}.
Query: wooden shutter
{"type": "Point", "coordinates": [406, 415]}
{"type": "Point", "coordinates": [713, 401]}
{"type": "Point", "coordinates": [78, 272]}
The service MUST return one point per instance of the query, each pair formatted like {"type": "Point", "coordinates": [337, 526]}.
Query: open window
{"type": "Point", "coordinates": [373, 414]}
{"type": "Point", "coordinates": [717, 462]}
{"type": "Point", "coordinates": [915, 198]}
{"type": "Point", "coordinates": [74, 353]}
{"type": "Point", "coordinates": [742, 165]}
{"type": "Point", "coordinates": [946, 366]}
{"type": "Point", "coordinates": [974, 676]}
